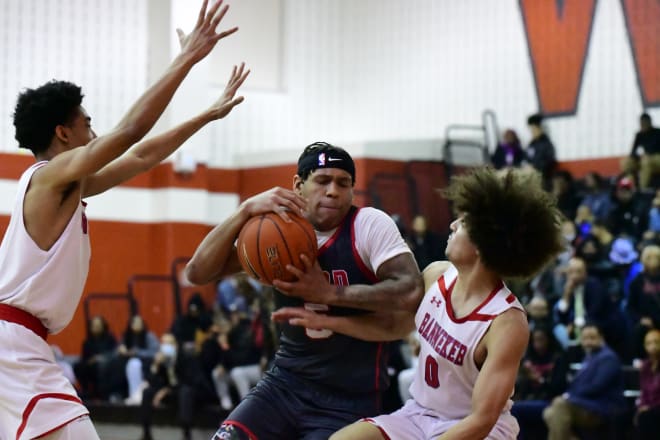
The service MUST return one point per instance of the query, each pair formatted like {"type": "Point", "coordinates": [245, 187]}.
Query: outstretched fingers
{"type": "Point", "coordinates": [202, 13]}
{"type": "Point", "coordinates": [218, 15]}
{"type": "Point", "coordinates": [226, 33]}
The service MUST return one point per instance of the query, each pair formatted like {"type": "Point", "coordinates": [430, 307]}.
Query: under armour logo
{"type": "Point", "coordinates": [435, 300]}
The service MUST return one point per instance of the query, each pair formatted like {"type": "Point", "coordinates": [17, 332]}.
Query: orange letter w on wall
{"type": "Point", "coordinates": [558, 35]}
{"type": "Point", "coordinates": [643, 23]}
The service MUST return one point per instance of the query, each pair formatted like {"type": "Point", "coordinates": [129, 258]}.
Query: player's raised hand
{"type": "Point", "coordinates": [204, 37]}
{"type": "Point", "coordinates": [227, 102]}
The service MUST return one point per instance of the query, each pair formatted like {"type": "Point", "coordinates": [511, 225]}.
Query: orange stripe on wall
{"type": "Point", "coordinates": [215, 180]}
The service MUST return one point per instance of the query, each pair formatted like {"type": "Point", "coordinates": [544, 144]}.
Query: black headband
{"type": "Point", "coordinates": [323, 155]}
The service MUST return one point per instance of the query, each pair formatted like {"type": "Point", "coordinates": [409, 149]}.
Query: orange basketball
{"type": "Point", "coordinates": [266, 244]}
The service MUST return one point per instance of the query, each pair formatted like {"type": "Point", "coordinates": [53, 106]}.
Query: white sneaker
{"type": "Point", "coordinates": [134, 399]}
{"type": "Point", "coordinates": [226, 403]}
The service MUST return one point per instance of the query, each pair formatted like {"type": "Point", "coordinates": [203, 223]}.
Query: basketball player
{"type": "Point", "coordinates": [321, 380]}
{"type": "Point", "coordinates": [44, 256]}
{"type": "Point", "coordinates": [472, 329]}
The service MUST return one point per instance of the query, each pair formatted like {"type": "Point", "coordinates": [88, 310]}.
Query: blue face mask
{"type": "Point", "coordinates": [169, 350]}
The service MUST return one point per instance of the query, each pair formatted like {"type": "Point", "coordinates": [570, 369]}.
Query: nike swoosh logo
{"type": "Point", "coordinates": [332, 159]}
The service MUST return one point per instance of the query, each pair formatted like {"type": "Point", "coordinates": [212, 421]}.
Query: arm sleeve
{"type": "Point", "coordinates": [377, 238]}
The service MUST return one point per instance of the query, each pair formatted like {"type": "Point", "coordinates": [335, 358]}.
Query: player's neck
{"type": "Point", "coordinates": [474, 283]}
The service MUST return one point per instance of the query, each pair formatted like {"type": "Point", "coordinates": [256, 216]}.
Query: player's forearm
{"type": "Point", "coordinates": [471, 427]}
{"type": "Point", "coordinates": [404, 294]}
{"type": "Point", "coordinates": [373, 327]}
{"type": "Point", "coordinates": [213, 257]}
{"type": "Point", "coordinates": [153, 151]}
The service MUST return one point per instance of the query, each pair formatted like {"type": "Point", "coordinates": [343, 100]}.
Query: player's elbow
{"type": "Point", "coordinates": [132, 131]}
{"type": "Point", "coordinates": [193, 274]}
{"type": "Point", "coordinates": [414, 288]}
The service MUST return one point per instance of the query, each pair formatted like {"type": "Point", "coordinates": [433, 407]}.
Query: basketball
{"type": "Point", "coordinates": [266, 244]}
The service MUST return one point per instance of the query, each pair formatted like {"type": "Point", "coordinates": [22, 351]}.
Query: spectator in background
{"type": "Point", "coordinates": [540, 153]}
{"type": "Point", "coordinates": [597, 196]}
{"type": "Point", "coordinates": [97, 350]}
{"type": "Point", "coordinates": [584, 219]}
{"type": "Point", "coordinates": [175, 377]}
{"type": "Point", "coordinates": [595, 393]}
{"type": "Point", "coordinates": [602, 234]}
{"type": "Point", "coordinates": [236, 291]}
{"type": "Point", "coordinates": [536, 377]}
{"type": "Point", "coordinates": [563, 188]}
{"type": "Point", "coordinates": [541, 378]}
{"type": "Point", "coordinates": [643, 305]}
{"type": "Point", "coordinates": [629, 215]}
{"type": "Point", "coordinates": [425, 244]}
{"type": "Point", "coordinates": [647, 418]}
{"type": "Point", "coordinates": [645, 153]}
{"type": "Point", "coordinates": [191, 327]}
{"type": "Point", "coordinates": [584, 299]}
{"type": "Point", "coordinates": [123, 373]}
{"type": "Point", "coordinates": [247, 353]}
{"type": "Point", "coordinates": [538, 313]}
{"type": "Point", "coordinates": [213, 357]}
{"type": "Point", "coordinates": [654, 214]}
{"type": "Point", "coordinates": [137, 350]}
{"type": "Point", "coordinates": [509, 152]}
{"type": "Point", "coordinates": [623, 255]}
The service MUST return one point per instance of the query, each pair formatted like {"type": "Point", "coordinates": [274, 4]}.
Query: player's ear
{"type": "Point", "coordinates": [297, 184]}
{"type": "Point", "coordinates": [62, 133]}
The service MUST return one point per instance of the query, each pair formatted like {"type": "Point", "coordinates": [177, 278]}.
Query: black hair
{"type": "Point", "coordinates": [535, 119]}
{"type": "Point", "coordinates": [324, 155]}
{"type": "Point", "coordinates": [39, 111]}
{"type": "Point", "coordinates": [133, 339]}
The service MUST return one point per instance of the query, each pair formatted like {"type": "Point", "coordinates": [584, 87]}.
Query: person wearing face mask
{"type": "Point", "coordinates": [594, 395]}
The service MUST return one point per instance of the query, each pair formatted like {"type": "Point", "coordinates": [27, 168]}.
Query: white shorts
{"type": "Point", "coordinates": [414, 422]}
{"type": "Point", "coordinates": [36, 398]}
{"type": "Point", "coordinates": [80, 428]}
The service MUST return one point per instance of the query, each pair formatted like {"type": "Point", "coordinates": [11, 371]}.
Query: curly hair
{"type": "Point", "coordinates": [38, 111]}
{"type": "Point", "coordinates": [512, 221]}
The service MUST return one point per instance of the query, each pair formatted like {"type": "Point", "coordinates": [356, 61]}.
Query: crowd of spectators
{"type": "Point", "coordinates": [211, 355]}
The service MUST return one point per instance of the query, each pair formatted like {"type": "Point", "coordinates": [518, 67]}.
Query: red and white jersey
{"type": "Point", "coordinates": [47, 284]}
{"type": "Point", "coordinates": [446, 373]}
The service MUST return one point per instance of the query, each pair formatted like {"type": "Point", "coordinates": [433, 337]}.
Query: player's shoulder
{"type": "Point", "coordinates": [368, 212]}
{"type": "Point", "coordinates": [510, 325]}
{"type": "Point", "coordinates": [433, 271]}
{"type": "Point", "coordinates": [374, 218]}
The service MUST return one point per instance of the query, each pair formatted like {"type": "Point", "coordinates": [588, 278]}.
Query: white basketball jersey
{"type": "Point", "coordinates": [446, 372]}
{"type": "Point", "coordinates": [46, 284]}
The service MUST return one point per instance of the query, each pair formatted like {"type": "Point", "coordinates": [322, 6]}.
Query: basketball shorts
{"type": "Point", "coordinates": [283, 406]}
{"type": "Point", "coordinates": [413, 422]}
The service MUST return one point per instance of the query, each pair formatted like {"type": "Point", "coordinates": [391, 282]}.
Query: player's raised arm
{"type": "Point", "coordinates": [149, 153]}
{"type": "Point", "coordinates": [80, 162]}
